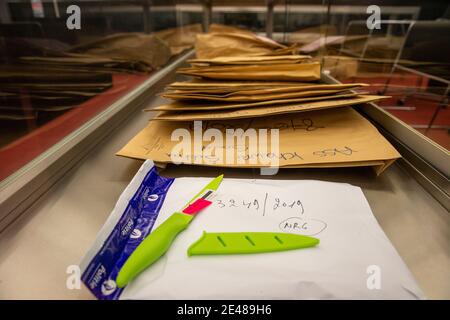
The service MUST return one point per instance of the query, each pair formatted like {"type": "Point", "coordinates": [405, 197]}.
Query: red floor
{"type": "Point", "coordinates": [16, 154]}
{"type": "Point", "coordinates": [418, 110]}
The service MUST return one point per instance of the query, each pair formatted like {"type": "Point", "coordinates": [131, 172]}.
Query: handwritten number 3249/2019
{"type": "Point", "coordinates": [257, 204]}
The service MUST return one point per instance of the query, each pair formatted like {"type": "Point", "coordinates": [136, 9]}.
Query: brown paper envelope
{"type": "Point", "coordinates": [250, 68]}
{"type": "Point", "coordinates": [216, 91]}
{"type": "Point", "coordinates": [265, 90]}
{"type": "Point", "coordinates": [264, 111]}
{"type": "Point", "coordinates": [249, 98]}
{"type": "Point", "coordinates": [247, 37]}
{"type": "Point", "coordinates": [332, 137]}
{"type": "Point", "coordinates": [285, 72]}
{"type": "Point", "coordinates": [182, 106]}
{"type": "Point", "coordinates": [203, 83]}
{"type": "Point", "coordinates": [292, 49]}
{"type": "Point", "coordinates": [341, 164]}
{"type": "Point", "coordinates": [249, 60]}
{"type": "Point", "coordinates": [378, 166]}
{"type": "Point", "coordinates": [275, 62]}
{"type": "Point", "coordinates": [223, 44]}
{"type": "Point", "coordinates": [223, 90]}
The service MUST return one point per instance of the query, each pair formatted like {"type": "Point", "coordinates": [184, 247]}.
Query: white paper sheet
{"type": "Point", "coordinates": [351, 245]}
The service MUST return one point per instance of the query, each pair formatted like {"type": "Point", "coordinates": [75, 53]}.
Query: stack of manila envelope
{"type": "Point", "coordinates": [266, 68]}
{"type": "Point", "coordinates": [317, 126]}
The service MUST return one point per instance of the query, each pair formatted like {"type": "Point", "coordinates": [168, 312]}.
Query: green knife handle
{"type": "Point", "coordinates": [152, 247]}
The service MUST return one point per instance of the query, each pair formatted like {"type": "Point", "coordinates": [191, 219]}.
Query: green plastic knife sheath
{"type": "Point", "coordinates": [152, 247]}
{"type": "Point", "coordinates": [248, 242]}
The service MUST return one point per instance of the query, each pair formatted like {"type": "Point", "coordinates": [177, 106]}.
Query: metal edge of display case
{"type": "Point", "coordinates": [421, 157]}
{"type": "Point", "coordinates": [431, 179]}
{"type": "Point", "coordinates": [23, 188]}
{"type": "Point", "coordinates": [424, 159]}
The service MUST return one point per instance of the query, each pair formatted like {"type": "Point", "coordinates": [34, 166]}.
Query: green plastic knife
{"type": "Point", "coordinates": [159, 240]}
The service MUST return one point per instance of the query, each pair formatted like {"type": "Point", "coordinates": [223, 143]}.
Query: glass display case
{"type": "Point", "coordinates": [75, 75]}
{"type": "Point", "coordinates": [63, 65]}
{"type": "Point", "coordinates": [39, 50]}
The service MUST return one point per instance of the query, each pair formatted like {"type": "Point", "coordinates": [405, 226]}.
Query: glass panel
{"type": "Point", "coordinates": [64, 62]}
{"type": "Point", "coordinates": [55, 76]}
{"type": "Point", "coordinates": [249, 15]}
{"type": "Point", "coordinates": [405, 56]}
